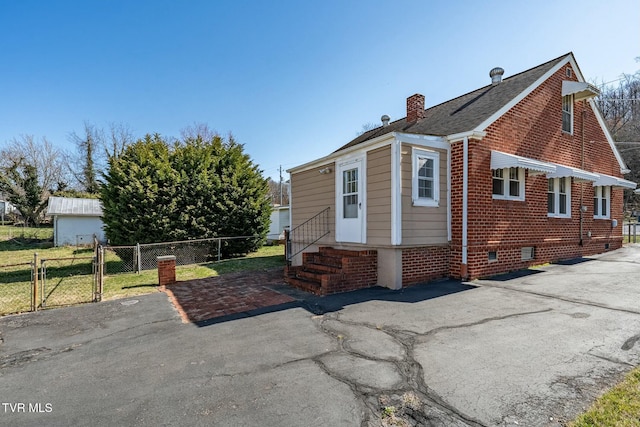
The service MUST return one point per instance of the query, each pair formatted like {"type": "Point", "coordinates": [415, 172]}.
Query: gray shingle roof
{"type": "Point", "coordinates": [74, 206]}
{"type": "Point", "coordinates": [465, 112]}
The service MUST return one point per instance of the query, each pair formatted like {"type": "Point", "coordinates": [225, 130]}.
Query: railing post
{"type": "Point", "coordinates": [287, 245]}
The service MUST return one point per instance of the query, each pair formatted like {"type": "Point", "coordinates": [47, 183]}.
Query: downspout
{"type": "Point", "coordinates": [465, 208]}
{"type": "Point", "coordinates": [584, 114]}
{"type": "Point", "coordinates": [396, 194]}
{"type": "Point", "coordinates": [449, 210]}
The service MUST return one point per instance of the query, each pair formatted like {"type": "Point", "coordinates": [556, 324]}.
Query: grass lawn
{"type": "Point", "coordinates": [12, 232]}
{"type": "Point", "coordinates": [618, 407]}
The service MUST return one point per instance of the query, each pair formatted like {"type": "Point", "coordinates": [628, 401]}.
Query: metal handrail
{"type": "Point", "coordinates": [307, 233]}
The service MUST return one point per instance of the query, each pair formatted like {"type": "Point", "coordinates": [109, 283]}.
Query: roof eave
{"type": "Point", "coordinates": [471, 134]}
{"type": "Point", "coordinates": [337, 154]}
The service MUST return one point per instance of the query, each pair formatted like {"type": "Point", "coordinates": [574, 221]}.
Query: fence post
{"type": "Point", "coordinates": [100, 274]}
{"type": "Point", "coordinates": [34, 292]}
{"type": "Point", "coordinates": [138, 258]}
{"type": "Point", "coordinates": [219, 248]}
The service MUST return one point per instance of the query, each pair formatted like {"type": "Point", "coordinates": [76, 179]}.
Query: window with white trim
{"type": "Point", "coordinates": [601, 202]}
{"type": "Point", "coordinates": [567, 113]}
{"type": "Point", "coordinates": [559, 197]}
{"type": "Point", "coordinates": [425, 178]}
{"type": "Point", "coordinates": [508, 183]}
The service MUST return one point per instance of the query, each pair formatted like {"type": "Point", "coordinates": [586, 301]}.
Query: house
{"type": "Point", "coordinates": [522, 171]}
{"type": "Point", "coordinates": [6, 208]}
{"type": "Point", "coordinates": [76, 221]}
{"type": "Point", "coordinates": [279, 220]}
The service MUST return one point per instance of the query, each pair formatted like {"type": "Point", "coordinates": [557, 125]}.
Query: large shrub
{"type": "Point", "coordinates": [193, 189]}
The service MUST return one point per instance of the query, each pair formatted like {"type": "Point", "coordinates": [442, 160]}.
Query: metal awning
{"type": "Point", "coordinates": [579, 90]}
{"type": "Point", "coordinates": [577, 174]}
{"type": "Point", "coordinates": [501, 160]}
{"type": "Point", "coordinates": [607, 180]}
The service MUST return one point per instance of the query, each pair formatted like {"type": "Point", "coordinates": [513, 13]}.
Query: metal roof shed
{"type": "Point", "coordinates": [75, 221]}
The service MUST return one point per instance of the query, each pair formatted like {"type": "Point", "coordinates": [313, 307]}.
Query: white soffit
{"type": "Point", "coordinates": [578, 174]}
{"type": "Point", "coordinates": [607, 180]}
{"type": "Point", "coordinates": [579, 90]}
{"type": "Point", "coordinates": [501, 160]}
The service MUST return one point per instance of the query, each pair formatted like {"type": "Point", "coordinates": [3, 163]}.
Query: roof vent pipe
{"type": "Point", "coordinates": [385, 120]}
{"type": "Point", "coordinates": [496, 75]}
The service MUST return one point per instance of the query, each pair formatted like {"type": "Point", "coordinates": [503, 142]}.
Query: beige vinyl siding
{"type": "Point", "coordinates": [379, 196]}
{"type": "Point", "coordinates": [423, 225]}
{"type": "Point", "coordinates": [312, 192]}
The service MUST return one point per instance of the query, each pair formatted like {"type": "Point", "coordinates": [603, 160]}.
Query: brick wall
{"type": "Point", "coordinates": [533, 128]}
{"type": "Point", "coordinates": [421, 265]}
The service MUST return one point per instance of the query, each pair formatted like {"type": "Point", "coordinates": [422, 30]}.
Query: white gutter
{"type": "Point", "coordinates": [465, 201]}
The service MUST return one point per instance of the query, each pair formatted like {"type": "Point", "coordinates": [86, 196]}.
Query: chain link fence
{"type": "Point", "coordinates": [124, 259]}
{"type": "Point", "coordinates": [54, 282]}
{"type": "Point", "coordinates": [16, 288]}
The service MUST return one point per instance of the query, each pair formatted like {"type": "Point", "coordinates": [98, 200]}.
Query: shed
{"type": "Point", "coordinates": [279, 220]}
{"type": "Point", "coordinates": [75, 221]}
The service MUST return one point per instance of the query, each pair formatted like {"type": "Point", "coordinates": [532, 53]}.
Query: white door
{"type": "Point", "coordinates": [350, 212]}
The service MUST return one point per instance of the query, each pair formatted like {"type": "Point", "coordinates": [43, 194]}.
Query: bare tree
{"type": "Point", "coordinates": [120, 136]}
{"type": "Point", "coordinates": [88, 163]}
{"type": "Point", "coordinates": [30, 171]}
{"type": "Point", "coordinates": [367, 127]}
{"type": "Point", "coordinates": [278, 192]}
{"type": "Point", "coordinates": [620, 106]}
{"type": "Point", "coordinates": [198, 130]}
{"type": "Point", "coordinates": [84, 165]}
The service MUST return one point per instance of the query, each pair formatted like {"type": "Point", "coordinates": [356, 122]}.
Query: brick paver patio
{"type": "Point", "coordinates": [205, 299]}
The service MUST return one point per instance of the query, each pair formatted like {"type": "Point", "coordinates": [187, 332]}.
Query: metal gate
{"type": "Point", "coordinates": [69, 281]}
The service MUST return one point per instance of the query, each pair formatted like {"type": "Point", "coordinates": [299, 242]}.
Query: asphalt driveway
{"type": "Point", "coordinates": [532, 348]}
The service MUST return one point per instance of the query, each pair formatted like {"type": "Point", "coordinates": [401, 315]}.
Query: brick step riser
{"type": "Point", "coordinates": [339, 253]}
{"type": "Point", "coordinates": [310, 275]}
{"type": "Point", "coordinates": [305, 285]}
{"type": "Point", "coordinates": [322, 268]}
{"type": "Point", "coordinates": [334, 262]}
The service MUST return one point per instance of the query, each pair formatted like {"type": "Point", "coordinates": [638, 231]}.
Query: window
{"type": "Point", "coordinates": [567, 113]}
{"type": "Point", "coordinates": [425, 178]}
{"type": "Point", "coordinates": [559, 197]}
{"type": "Point", "coordinates": [508, 183]}
{"type": "Point", "coordinates": [527, 253]}
{"type": "Point", "coordinates": [492, 256]}
{"type": "Point", "coordinates": [601, 202]}
{"type": "Point", "coordinates": [350, 193]}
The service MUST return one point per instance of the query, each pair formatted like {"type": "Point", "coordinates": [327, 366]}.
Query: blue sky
{"type": "Point", "coordinates": [292, 80]}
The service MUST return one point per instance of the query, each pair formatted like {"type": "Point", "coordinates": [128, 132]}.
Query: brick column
{"type": "Point", "coordinates": [166, 269]}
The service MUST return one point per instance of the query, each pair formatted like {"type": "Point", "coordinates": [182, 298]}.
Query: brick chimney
{"type": "Point", "coordinates": [415, 108]}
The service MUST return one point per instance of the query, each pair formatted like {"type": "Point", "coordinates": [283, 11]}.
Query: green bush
{"type": "Point", "coordinates": [193, 189]}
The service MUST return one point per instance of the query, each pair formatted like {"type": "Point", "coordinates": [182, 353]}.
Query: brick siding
{"type": "Point", "coordinates": [421, 265]}
{"type": "Point", "coordinates": [533, 128]}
